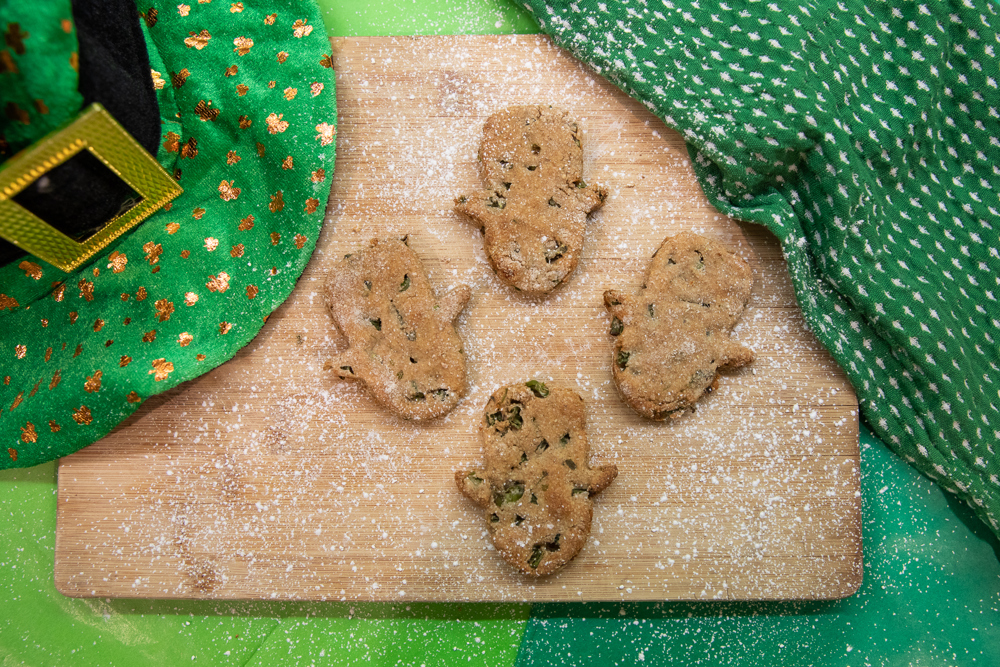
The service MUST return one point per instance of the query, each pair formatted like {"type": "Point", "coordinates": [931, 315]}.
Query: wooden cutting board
{"type": "Point", "coordinates": [270, 478]}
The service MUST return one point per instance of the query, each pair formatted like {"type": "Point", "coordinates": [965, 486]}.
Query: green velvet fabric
{"type": "Point", "coordinates": [865, 135]}
{"type": "Point", "coordinates": [247, 104]}
{"type": "Point", "coordinates": [38, 74]}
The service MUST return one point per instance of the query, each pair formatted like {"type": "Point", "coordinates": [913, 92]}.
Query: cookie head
{"type": "Point", "coordinates": [402, 343]}
{"type": "Point", "coordinates": [673, 336]}
{"type": "Point", "coordinates": [534, 203]}
{"type": "Point", "coordinates": [536, 487]}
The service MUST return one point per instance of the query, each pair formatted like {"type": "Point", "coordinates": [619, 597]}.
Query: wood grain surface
{"type": "Point", "coordinates": [270, 478]}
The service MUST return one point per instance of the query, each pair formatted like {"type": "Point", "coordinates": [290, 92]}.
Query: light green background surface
{"type": "Point", "coordinates": [39, 626]}
{"type": "Point", "coordinates": [354, 18]}
{"type": "Point", "coordinates": [931, 594]}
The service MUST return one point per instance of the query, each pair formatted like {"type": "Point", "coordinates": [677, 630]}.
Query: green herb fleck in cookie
{"type": "Point", "coordinates": [537, 388]}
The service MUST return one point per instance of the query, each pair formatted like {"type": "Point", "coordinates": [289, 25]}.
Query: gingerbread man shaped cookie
{"type": "Point", "coordinates": [534, 203]}
{"type": "Point", "coordinates": [402, 341]}
{"type": "Point", "coordinates": [673, 336]}
{"type": "Point", "coordinates": [537, 486]}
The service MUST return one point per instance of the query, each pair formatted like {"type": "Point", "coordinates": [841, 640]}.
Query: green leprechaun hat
{"type": "Point", "coordinates": [236, 102]}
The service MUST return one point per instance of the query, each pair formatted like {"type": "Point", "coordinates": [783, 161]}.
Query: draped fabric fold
{"type": "Point", "coordinates": [866, 135]}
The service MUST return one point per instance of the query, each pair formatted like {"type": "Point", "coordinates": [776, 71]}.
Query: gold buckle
{"type": "Point", "coordinates": [94, 130]}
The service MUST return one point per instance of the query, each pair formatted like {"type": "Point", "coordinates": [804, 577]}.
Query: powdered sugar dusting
{"type": "Point", "coordinates": [271, 478]}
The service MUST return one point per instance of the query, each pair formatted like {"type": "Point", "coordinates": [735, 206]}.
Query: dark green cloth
{"type": "Point", "coordinates": [865, 136]}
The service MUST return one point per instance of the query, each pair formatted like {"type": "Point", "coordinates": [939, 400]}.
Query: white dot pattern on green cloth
{"type": "Point", "coordinates": [866, 135]}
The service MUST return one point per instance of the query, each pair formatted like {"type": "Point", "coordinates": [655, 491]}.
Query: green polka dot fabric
{"type": "Point", "coordinates": [866, 135]}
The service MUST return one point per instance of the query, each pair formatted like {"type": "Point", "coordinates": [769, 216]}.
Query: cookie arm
{"type": "Point", "coordinates": [736, 355]}
{"type": "Point", "coordinates": [616, 302]}
{"type": "Point", "coordinates": [343, 365]}
{"type": "Point", "coordinates": [452, 303]}
{"type": "Point", "coordinates": [474, 206]}
{"type": "Point", "coordinates": [600, 478]}
{"type": "Point", "coordinates": [473, 486]}
{"type": "Point", "coordinates": [592, 196]}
